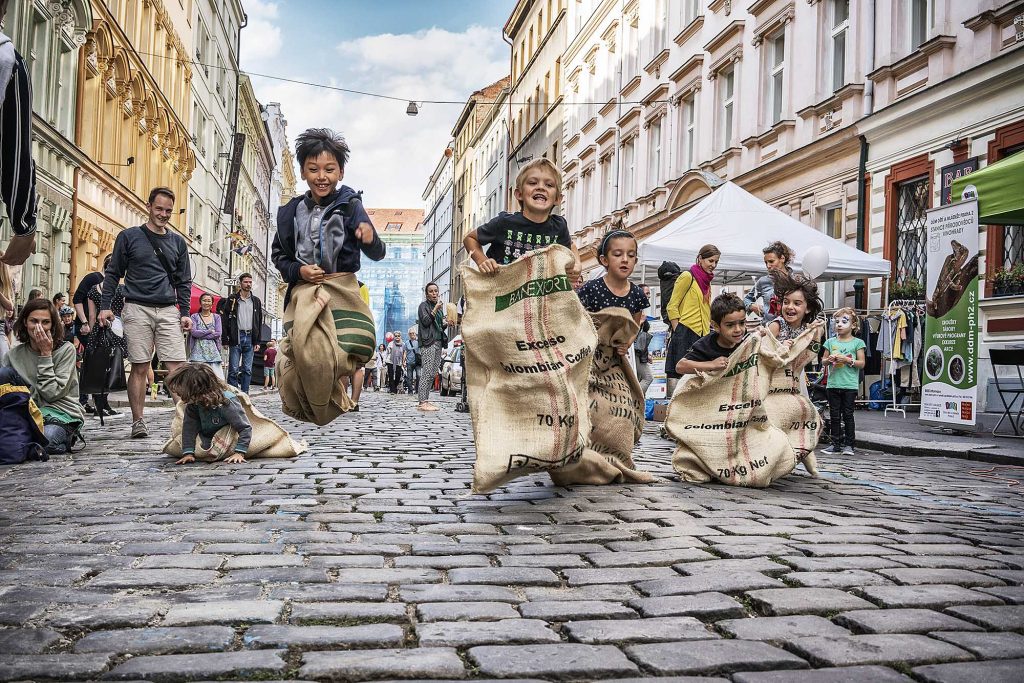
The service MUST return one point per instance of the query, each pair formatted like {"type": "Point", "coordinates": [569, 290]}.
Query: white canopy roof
{"type": "Point", "coordinates": [741, 225]}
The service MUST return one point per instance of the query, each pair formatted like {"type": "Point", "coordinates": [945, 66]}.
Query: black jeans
{"type": "Point", "coordinates": [840, 408]}
{"type": "Point", "coordinates": [394, 378]}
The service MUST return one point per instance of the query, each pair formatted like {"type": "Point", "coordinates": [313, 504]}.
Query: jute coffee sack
{"type": "Point", "coordinates": [616, 409]}
{"type": "Point", "coordinates": [330, 335]}
{"type": "Point", "coordinates": [268, 439]}
{"type": "Point", "coordinates": [786, 403]}
{"type": "Point", "coordinates": [529, 346]}
{"type": "Point", "coordinates": [721, 427]}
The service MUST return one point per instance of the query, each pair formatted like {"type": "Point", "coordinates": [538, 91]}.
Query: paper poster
{"type": "Point", "coordinates": [949, 395]}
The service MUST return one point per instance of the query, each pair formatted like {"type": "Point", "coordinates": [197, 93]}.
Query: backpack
{"type": "Point", "coordinates": [21, 426]}
{"type": "Point", "coordinates": [668, 273]}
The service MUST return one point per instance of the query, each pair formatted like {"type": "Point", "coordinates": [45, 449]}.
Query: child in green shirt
{"type": "Point", "coordinates": [844, 354]}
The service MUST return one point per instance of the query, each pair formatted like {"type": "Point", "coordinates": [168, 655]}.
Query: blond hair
{"type": "Point", "coordinates": [545, 164]}
{"type": "Point", "coordinates": [854, 318]}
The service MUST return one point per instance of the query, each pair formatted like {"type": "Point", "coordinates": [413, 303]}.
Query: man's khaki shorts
{"type": "Point", "coordinates": [147, 329]}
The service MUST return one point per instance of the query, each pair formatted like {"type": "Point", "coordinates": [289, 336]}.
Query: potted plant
{"type": "Point", "coordinates": [1017, 279]}
{"type": "Point", "coordinates": [912, 289]}
{"type": "Point", "coordinates": [1000, 278]}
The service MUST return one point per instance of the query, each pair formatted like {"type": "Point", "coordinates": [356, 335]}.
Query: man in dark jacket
{"type": "Point", "coordinates": [242, 320]}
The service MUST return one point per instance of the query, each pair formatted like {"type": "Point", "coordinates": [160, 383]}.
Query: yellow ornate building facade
{"type": "Point", "coordinates": [132, 121]}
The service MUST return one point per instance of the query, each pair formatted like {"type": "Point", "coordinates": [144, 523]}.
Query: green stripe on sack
{"type": "Point", "coordinates": [288, 328]}
{"type": "Point", "coordinates": [533, 288]}
{"type": "Point", "coordinates": [344, 319]}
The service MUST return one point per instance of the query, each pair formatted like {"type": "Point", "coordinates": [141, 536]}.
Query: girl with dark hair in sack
{"type": "Point", "coordinates": [689, 309]}
{"type": "Point", "coordinates": [45, 363]}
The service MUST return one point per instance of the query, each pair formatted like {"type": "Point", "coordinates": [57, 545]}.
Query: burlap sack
{"type": "Point", "coordinates": [268, 439]}
{"type": "Point", "coordinates": [721, 427]}
{"type": "Point", "coordinates": [786, 402]}
{"type": "Point", "coordinates": [529, 346]}
{"type": "Point", "coordinates": [616, 409]}
{"type": "Point", "coordinates": [330, 335]}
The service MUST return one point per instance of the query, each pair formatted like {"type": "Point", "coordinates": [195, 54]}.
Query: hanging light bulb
{"type": "Point", "coordinates": [412, 109]}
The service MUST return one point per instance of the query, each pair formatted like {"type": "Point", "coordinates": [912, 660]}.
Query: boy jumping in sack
{"type": "Point", "coordinates": [711, 352]}
{"type": "Point", "coordinates": [510, 235]}
{"type": "Point", "coordinates": [324, 230]}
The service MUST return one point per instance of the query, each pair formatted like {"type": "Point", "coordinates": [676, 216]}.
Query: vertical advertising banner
{"type": "Point", "coordinates": [950, 353]}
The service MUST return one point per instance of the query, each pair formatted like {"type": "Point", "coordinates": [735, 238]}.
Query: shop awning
{"type": "Point", "coordinates": [999, 188]}
{"type": "Point", "coordinates": [196, 293]}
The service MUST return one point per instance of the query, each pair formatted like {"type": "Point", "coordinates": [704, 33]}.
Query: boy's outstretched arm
{"type": "Point", "coordinates": [574, 269]}
{"type": "Point", "coordinates": [476, 252]}
{"type": "Point", "coordinates": [369, 241]}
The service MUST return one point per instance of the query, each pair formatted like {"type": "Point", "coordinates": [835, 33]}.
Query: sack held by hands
{"type": "Point", "coordinates": [616, 409]}
{"type": "Point", "coordinates": [786, 402]}
{"type": "Point", "coordinates": [330, 335]}
{"type": "Point", "coordinates": [721, 426]}
{"type": "Point", "coordinates": [529, 347]}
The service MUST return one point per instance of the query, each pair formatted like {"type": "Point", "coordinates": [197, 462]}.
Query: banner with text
{"type": "Point", "coordinates": [950, 380]}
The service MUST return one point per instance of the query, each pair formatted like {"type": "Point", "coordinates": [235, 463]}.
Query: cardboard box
{"type": "Point", "coordinates": [660, 411]}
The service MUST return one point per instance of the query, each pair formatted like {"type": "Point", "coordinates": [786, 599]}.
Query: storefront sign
{"type": "Point", "coordinates": [954, 172]}
{"type": "Point", "coordinates": [949, 380]}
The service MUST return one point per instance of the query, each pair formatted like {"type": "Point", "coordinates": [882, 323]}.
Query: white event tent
{"type": "Point", "coordinates": [741, 225]}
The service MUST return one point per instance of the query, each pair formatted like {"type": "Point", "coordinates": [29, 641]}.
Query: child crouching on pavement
{"type": "Point", "coordinates": [213, 414]}
{"type": "Point", "coordinates": [711, 352]}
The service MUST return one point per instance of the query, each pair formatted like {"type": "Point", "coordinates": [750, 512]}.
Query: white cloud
{"type": "Point", "coordinates": [261, 38]}
{"type": "Point", "coordinates": [393, 154]}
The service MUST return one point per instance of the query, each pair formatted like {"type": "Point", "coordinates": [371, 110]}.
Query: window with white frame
{"type": "Point", "coordinates": [690, 11]}
{"type": "Point", "coordinates": [727, 106]}
{"type": "Point", "coordinates": [688, 131]}
{"type": "Point", "coordinates": [659, 31]}
{"type": "Point", "coordinates": [776, 46]}
{"type": "Point", "coordinates": [832, 225]}
{"type": "Point", "coordinates": [610, 87]}
{"type": "Point", "coordinates": [839, 21]}
{"type": "Point", "coordinates": [654, 154]}
{"type": "Point", "coordinates": [629, 170]}
{"type": "Point", "coordinates": [587, 198]}
{"type": "Point", "coordinates": [921, 12]}
{"type": "Point", "coordinates": [607, 185]}
{"type": "Point", "coordinates": [631, 50]}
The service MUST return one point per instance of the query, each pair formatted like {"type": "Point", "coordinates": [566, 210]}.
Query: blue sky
{"type": "Point", "coordinates": [415, 49]}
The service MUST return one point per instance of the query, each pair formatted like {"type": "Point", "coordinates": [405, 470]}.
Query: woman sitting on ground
{"type": "Point", "coordinates": [45, 363]}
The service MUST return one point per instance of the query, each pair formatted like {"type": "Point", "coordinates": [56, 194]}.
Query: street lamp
{"type": "Point", "coordinates": [413, 109]}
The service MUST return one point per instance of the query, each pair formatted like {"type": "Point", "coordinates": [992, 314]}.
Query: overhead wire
{"type": "Point", "coordinates": [365, 93]}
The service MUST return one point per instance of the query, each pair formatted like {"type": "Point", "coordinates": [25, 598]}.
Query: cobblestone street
{"type": "Point", "coordinates": [368, 559]}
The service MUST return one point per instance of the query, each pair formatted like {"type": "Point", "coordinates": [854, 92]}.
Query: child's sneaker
{"type": "Point", "coordinates": [848, 450]}
{"type": "Point", "coordinates": [832, 450]}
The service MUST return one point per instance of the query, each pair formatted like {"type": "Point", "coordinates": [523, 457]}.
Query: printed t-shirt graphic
{"type": "Point", "coordinates": [508, 236]}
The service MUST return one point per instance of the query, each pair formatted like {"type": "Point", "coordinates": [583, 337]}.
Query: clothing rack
{"type": "Point", "coordinates": [902, 304]}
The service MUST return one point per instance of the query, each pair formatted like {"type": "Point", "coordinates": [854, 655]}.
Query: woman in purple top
{"type": "Point", "coordinates": [204, 337]}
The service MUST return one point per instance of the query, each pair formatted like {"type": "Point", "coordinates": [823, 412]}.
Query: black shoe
{"type": "Point", "coordinates": [355, 409]}
{"type": "Point", "coordinates": [88, 407]}
{"type": "Point", "coordinates": [108, 411]}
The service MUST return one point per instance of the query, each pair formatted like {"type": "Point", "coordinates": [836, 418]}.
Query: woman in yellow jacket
{"type": "Point", "coordinates": [689, 309]}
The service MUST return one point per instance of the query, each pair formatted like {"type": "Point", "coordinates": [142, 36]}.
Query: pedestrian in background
{"type": "Point", "coordinates": [33, 294]}
{"type": "Point", "coordinates": [689, 310]}
{"type": "Point", "coordinates": [395, 359]}
{"type": "Point", "coordinates": [153, 261]}
{"type": "Point", "coordinates": [380, 365]}
{"type": "Point", "coordinates": [777, 257]}
{"type": "Point", "coordinates": [412, 362]}
{"type": "Point", "coordinates": [205, 336]}
{"type": "Point", "coordinates": [433, 340]}
{"type": "Point", "coordinates": [59, 300]}
{"type": "Point", "coordinates": [243, 325]}
{"type": "Point", "coordinates": [269, 364]}
{"type": "Point", "coordinates": [99, 337]}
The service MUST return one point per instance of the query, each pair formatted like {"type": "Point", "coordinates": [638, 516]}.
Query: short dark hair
{"type": "Point", "coordinates": [313, 142]}
{"type": "Point", "coordinates": [602, 250]}
{"type": "Point", "coordinates": [429, 285]}
{"type": "Point", "coordinates": [724, 304]}
{"type": "Point", "coordinates": [243, 276]}
{"type": "Point", "coordinates": [157, 191]}
{"type": "Point", "coordinates": [35, 293]}
{"type": "Point", "coordinates": [58, 295]}
{"type": "Point", "coordinates": [21, 330]}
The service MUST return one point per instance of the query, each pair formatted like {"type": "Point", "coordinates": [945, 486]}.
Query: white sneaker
{"type": "Point", "coordinates": [848, 450]}
{"type": "Point", "coordinates": [831, 450]}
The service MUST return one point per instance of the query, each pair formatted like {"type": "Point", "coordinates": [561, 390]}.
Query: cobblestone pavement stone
{"type": "Point", "coordinates": [368, 559]}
